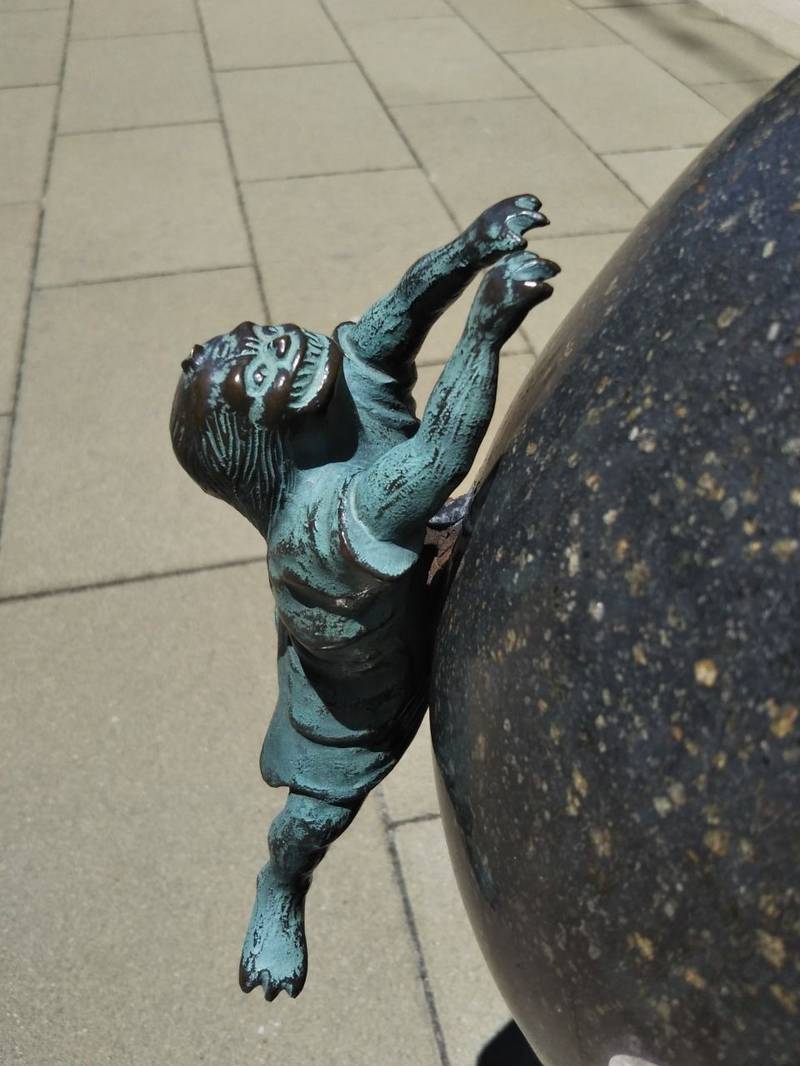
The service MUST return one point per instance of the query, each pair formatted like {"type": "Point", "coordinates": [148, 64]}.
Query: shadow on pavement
{"type": "Point", "coordinates": [508, 1048]}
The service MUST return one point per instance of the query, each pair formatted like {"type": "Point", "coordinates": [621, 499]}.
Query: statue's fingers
{"type": "Point", "coordinates": [528, 202]}
{"type": "Point", "coordinates": [527, 269]}
{"type": "Point", "coordinates": [525, 220]}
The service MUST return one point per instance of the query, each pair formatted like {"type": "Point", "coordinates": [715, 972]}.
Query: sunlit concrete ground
{"type": "Point", "coordinates": [168, 169]}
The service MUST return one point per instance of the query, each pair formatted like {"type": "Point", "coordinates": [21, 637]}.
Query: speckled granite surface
{"type": "Point", "coordinates": [618, 668]}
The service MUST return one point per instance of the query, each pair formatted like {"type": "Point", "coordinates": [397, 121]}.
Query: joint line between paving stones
{"type": "Point", "coordinates": [739, 81]}
{"type": "Point", "coordinates": [18, 203]}
{"type": "Point", "coordinates": [140, 33]}
{"type": "Point", "coordinates": [286, 66]}
{"type": "Point", "coordinates": [408, 911]}
{"type": "Point", "coordinates": [692, 88]}
{"type": "Point", "coordinates": [23, 341]}
{"type": "Point", "coordinates": [470, 100]}
{"type": "Point", "coordinates": [640, 151]}
{"type": "Point", "coordinates": [627, 7]}
{"type": "Point", "coordinates": [33, 84]}
{"type": "Point", "coordinates": [143, 126]}
{"type": "Point", "coordinates": [548, 105]}
{"type": "Point", "coordinates": [397, 127]}
{"type": "Point", "coordinates": [231, 162]}
{"type": "Point", "coordinates": [329, 174]}
{"type": "Point", "coordinates": [80, 282]}
{"type": "Point", "coordinates": [412, 819]}
{"type": "Point", "coordinates": [138, 579]}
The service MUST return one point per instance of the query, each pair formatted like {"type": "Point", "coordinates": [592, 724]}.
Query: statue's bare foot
{"type": "Point", "coordinates": [274, 954]}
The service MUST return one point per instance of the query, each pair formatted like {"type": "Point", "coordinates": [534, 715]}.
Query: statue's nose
{"type": "Point", "coordinates": [190, 363]}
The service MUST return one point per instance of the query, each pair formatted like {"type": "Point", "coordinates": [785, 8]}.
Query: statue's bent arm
{"type": "Point", "coordinates": [397, 494]}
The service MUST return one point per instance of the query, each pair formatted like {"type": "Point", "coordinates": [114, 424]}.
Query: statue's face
{"type": "Point", "coordinates": [266, 373]}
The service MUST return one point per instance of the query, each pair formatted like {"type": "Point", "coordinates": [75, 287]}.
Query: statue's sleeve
{"type": "Point", "coordinates": [361, 548]}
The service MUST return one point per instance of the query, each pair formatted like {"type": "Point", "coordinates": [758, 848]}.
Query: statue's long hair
{"type": "Point", "coordinates": [230, 457]}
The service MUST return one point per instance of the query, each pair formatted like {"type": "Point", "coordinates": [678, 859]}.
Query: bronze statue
{"type": "Point", "coordinates": [314, 439]}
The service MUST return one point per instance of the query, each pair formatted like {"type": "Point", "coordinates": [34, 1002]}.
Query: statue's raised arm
{"type": "Point", "coordinates": [394, 327]}
{"type": "Point", "coordinates": [396, 496]}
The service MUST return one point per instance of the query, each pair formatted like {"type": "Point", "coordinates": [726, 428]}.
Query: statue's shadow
{"type": "Point", "coordinates": [508, 1048]}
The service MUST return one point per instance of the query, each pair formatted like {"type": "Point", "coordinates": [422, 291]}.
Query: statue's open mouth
{"type": "Point", "coordinates": [303, 369]}
{"type": "Point", "coordinates": [314, 372]}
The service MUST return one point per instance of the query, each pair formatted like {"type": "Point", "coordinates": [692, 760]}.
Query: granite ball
{"type": "Point", "coordinates": [617, 668]}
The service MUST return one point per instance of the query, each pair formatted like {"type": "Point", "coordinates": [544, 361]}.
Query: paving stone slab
{"type": "Point", "coordinates": [136, 81]}
{"type": "Point", "coordinates": [515, 25]}
{"type": "Point", "coordinates": [33, 5]}
{"type": "Point", "coordinates": [581, 259]}
{"type": "Point", "coordinates": [329, 247]}
{"type": "Point", "coordinates": [409, 790]}
{"type": "Point", "coordinates": [321, 119]}
{"type": "Point", "coordinates": [618, 99]}
{"type": "Point", "coordinates": [477, 153]}
{"type": "Point", "coordinates": [26, 117]}
{"type": "Point", "coordinates": [696, 45]}
{"type": "Point", "coordinates": [101, 18]}
{"type": "Point", "coordinates": [426, 60]}
{"type": "Point", "coordinates": [95, 493]}
{"type": "Point", "coordinates": [733, 97]}
{"type": "Point", "coordinates": [650, 174]}
{"type": "Point", "coordinates": [134, 822]}
{"type": "Point", "coordinates": [470, 1008]}
{"type": "Point", "coordinates": [618, 3]}
{"type": "Point", "coordinates": [251, 33]}
{"type": "Point", "coordinates": [19, 224]}
{"type": "Point", "coordinates": [31, 46]}
{"type": "Point", "coordinates": [140, 202]}
{"type": "Point", "coordinates": [349, 13]}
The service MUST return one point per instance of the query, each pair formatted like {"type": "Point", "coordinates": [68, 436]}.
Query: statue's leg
{"type": "Point", "coordinates": [274, 954]}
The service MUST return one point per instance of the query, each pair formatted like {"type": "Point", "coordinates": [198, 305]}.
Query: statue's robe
{"type": "Point", "coordinates": [354, 615]}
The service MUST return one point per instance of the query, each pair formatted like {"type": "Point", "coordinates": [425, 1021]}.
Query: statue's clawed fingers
{"type": "Point", "coordinates": [526, 215]}
{"type": "Point", "coordinates": [518, 280]}
{"type": "Point", "coordinates": [501, 227]}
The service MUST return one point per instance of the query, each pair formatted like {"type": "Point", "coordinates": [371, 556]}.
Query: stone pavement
{"type": "Point", "coordinates": [169, 168]}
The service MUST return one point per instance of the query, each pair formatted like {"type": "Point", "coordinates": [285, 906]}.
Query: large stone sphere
{"type": "Point", "coordinates": [617, 675]}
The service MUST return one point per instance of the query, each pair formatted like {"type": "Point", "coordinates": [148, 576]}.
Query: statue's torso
{"type": "Point", "coordinates": [356, 622]}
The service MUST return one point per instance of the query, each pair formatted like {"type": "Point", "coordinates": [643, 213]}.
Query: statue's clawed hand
{"type": "Point", "coordinates": [500, 228]}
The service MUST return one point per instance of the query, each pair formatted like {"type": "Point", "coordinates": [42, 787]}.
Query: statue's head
{"type": "Point", "coordinates": [236, 397]}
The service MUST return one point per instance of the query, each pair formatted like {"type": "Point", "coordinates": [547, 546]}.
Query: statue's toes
{"type": "Point", "coordinates": [293, 986]}
{"type": "Point", "coordinates": [250, 979]}
{"type": "Point", "coordinates": [247, 979]}
{"type": "Point", "coordinates": [271, 988]}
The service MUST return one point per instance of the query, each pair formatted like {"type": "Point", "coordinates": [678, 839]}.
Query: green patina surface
{"type": "Point", "coordinates": [315, 440]}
